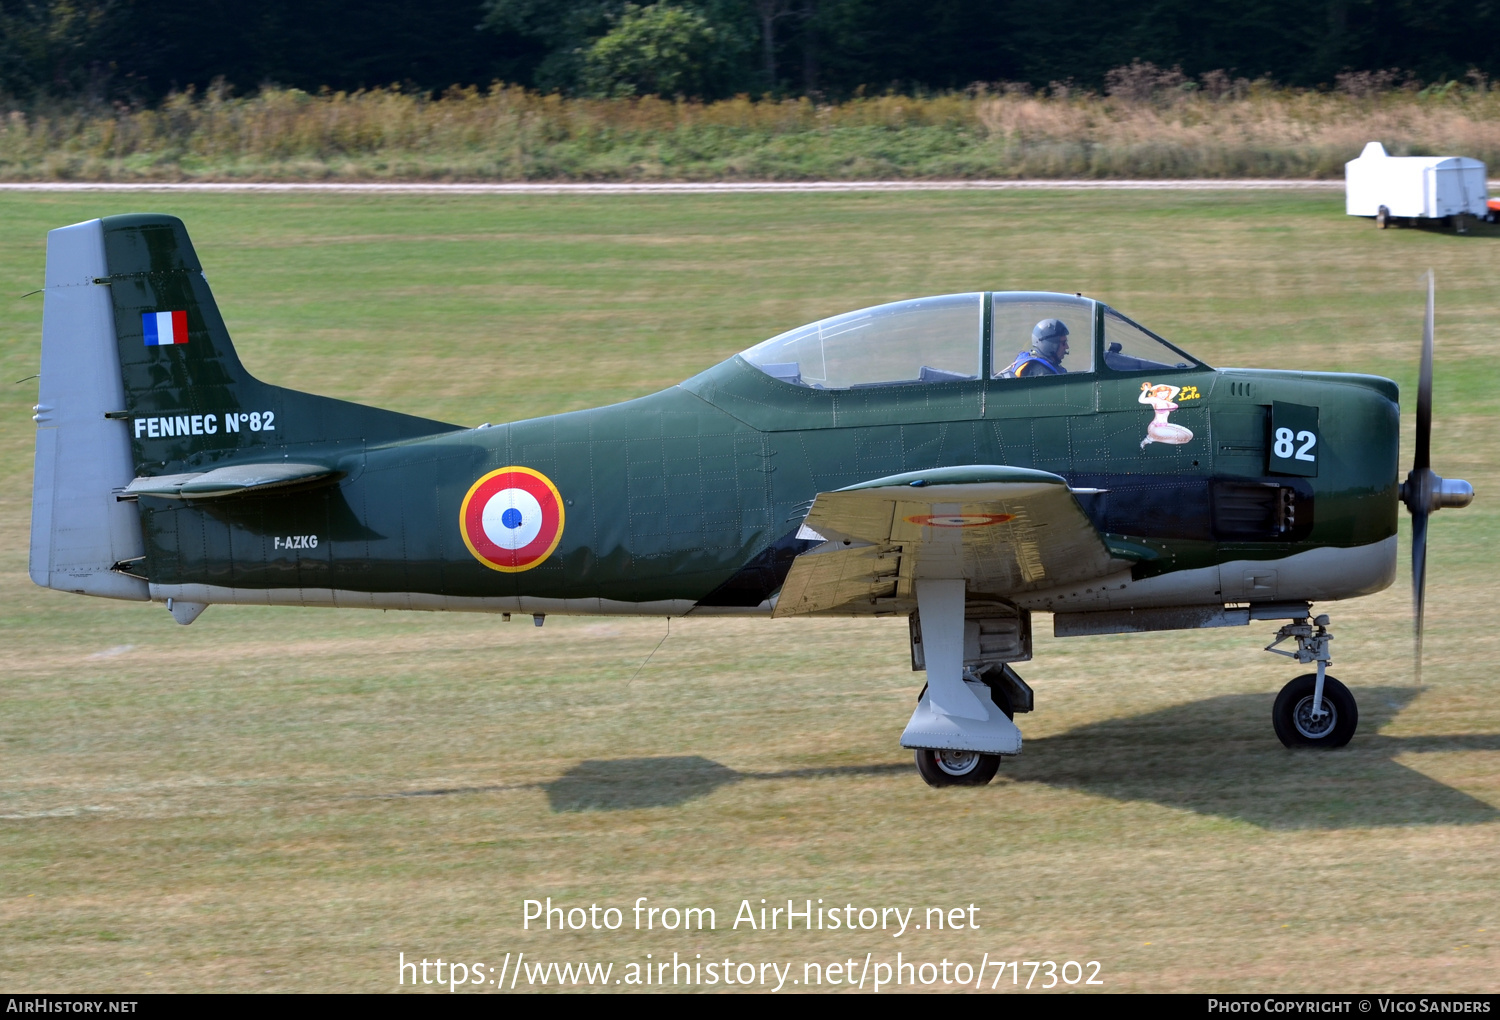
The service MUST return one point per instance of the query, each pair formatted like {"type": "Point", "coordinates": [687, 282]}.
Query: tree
{"type": "Point", "coordinates": [657, 50]}
{"type": "Point", "coordinates": [53, 46]}
{"type": "Point", "coordinates": [564, 28]}
{"type": "Point", "coordinates": [768, 12]}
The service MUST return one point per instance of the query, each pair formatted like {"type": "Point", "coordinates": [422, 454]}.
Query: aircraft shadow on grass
{"type": "Point", "coordinates": [624, 784]}
{"type": "Point", "coordinates": [1216, 756]}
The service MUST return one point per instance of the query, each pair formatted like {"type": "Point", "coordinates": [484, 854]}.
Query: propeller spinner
{"type": "Point", "coordinates": [1425, 492]}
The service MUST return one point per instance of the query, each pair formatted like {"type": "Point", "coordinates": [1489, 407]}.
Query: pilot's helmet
{"type": "Point", "coordinates": [1049, 338]}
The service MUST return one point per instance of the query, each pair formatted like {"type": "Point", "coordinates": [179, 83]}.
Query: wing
{"type": "Point", "coordinates": [1004, 530]}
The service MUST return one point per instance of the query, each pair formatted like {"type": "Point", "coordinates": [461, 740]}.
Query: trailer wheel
{"type": "Point", "coordinates": [1382, 217]}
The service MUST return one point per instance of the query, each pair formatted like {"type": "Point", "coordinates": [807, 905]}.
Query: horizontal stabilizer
{"type": "Point", "coordinates": [232, 480]}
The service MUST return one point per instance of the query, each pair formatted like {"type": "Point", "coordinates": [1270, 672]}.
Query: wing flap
{"type": "Point", "coordinates": [833, 576]}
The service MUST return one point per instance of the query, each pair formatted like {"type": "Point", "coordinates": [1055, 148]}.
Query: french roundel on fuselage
{"type": "Point", "coordinates": [512, 519]}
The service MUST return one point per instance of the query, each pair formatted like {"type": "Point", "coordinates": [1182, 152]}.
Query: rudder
{"type": "Point", "coordinates": [82, 537]}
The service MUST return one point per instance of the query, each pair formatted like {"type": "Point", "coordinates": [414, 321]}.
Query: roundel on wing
{"type": "Point", "coordinates": [512, 519]}
{"type": "Point", "coordinates": [959, 520]}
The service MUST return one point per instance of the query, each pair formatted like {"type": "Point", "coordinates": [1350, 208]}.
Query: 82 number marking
{"type": "Point", "coordinates": [1286, 443]}
{"type": "Point", "coordinates": [255, 421]}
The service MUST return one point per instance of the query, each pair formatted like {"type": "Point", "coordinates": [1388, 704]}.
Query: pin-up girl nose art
{"type": "Point", "coordinates": [512, 519]}
{"type": "Point", "coordinates": [1160, 430]}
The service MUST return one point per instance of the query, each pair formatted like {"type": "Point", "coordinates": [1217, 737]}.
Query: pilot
{"type": "Point", "coordinates": [1049, 345]}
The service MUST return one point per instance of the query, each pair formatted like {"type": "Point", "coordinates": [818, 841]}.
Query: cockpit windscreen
{"type": "Point", "coordinates": [1129, 348]}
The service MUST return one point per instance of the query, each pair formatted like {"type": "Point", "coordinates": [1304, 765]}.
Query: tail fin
{"type": "Point", "coordinates": [139, 379]}
{"type": "Point", "coordinates": [177, 363]}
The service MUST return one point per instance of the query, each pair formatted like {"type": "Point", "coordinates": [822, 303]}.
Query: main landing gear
{"type": "Point", "coordinates": [963, 722]}
{"type": "Point", "coordinates": [1314, 710]}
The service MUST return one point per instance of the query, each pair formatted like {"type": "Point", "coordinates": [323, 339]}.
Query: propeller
{"type": "Point", "coordinates": [1425, 492]}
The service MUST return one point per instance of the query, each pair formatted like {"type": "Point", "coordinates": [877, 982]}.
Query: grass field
{"type": "Point", "coordinates": [287, 800]}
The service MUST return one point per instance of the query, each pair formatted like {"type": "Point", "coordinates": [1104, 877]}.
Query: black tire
{"type": "Point", "coordinates": [1291, 715]}
{"type": "Point", "coordinates": [956, 768]}
{"type": "Point", "coordinates": [1382, 217]}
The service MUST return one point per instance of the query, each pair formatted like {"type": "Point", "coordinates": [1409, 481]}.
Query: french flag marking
{"type": "Point", "coordinates": [163, 328]}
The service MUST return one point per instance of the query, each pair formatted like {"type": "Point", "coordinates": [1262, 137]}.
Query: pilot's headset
{"type": "Point", "coordinates": [1048, 338]}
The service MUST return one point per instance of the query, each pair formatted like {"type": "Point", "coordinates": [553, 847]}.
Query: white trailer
{"type": "Point", "coordinates": [1406, 188]}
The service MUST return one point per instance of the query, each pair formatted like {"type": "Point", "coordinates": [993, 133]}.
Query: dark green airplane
{"type": "Point", "coordinates": [962, 460]}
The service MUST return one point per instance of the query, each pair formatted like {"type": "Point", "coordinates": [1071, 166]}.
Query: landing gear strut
{"type": "Point", "coordinates": [1314, 710]}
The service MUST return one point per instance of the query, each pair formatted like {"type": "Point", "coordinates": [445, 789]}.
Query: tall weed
{"type": "Point", "coordinates": [1150, 125]}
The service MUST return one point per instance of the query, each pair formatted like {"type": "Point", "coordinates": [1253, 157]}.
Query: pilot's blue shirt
{"type": "Point", "coordinates": [1030, 363]}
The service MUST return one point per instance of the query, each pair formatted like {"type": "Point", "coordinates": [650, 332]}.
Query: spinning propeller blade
{"type": "Point", "coordinates": [1424, 492]}
{"type": "Point", "coordinates": [1423, 459]}
{"type": "Point", "coordinates": [1418, 580]}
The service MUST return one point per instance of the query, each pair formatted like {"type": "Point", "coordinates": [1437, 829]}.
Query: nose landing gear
{"type": "Point", "coordinates": [1298, 724]}
{"type": "Point", "coordinates": [1314, 710]}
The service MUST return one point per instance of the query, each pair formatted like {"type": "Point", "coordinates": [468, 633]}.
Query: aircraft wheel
{"type": "Point", "coordinates": [1382, 217]}
{"type": "Point", "coordinates": [1292, 715]}
{"type": "Point", "coordinates": [956, 768]}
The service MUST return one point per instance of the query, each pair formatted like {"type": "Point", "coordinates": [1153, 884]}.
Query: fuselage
{"type": "Point", "coordinates": [689, 500]}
